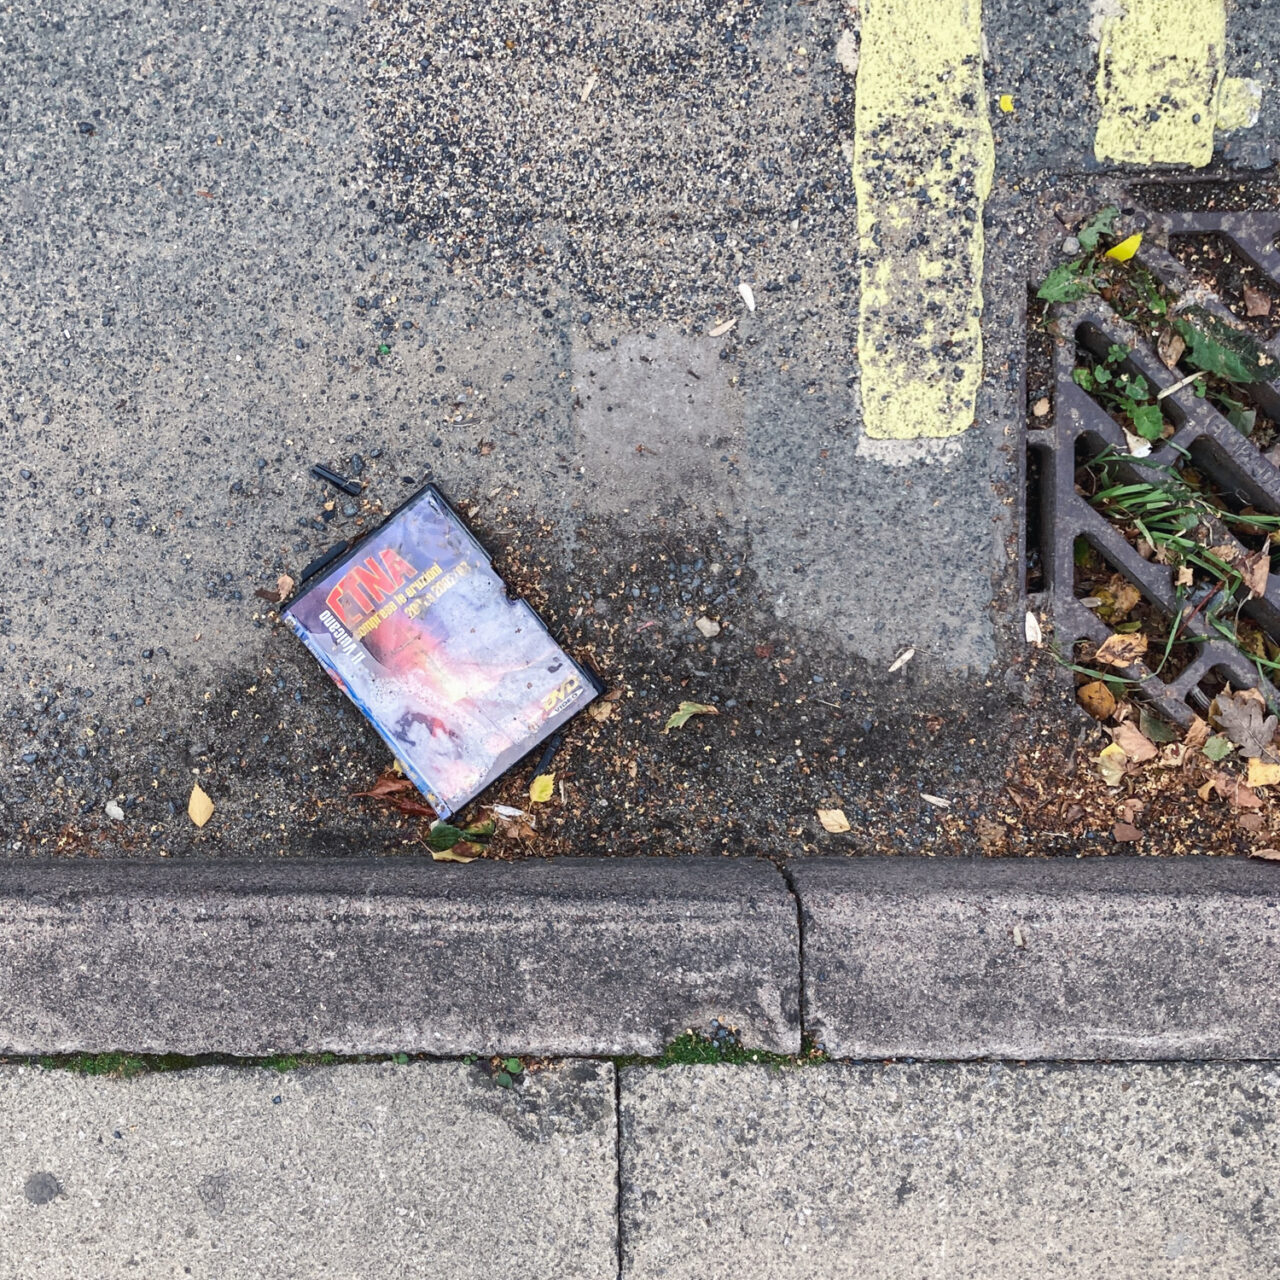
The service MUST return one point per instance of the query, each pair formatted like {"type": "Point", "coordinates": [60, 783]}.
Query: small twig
{"type": "Point", "coordinates": [1189, 618]}
{"type": "Point", "coordinates": [1177, 386]}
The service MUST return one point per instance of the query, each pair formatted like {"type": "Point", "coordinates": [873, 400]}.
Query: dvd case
{"type": "Point", "coordinates": [417, 629]}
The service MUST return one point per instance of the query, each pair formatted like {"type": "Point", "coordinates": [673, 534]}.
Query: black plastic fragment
{"type": "Point", "coordinates": [339, 482]}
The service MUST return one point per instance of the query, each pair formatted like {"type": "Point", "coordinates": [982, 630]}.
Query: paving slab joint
{"type": "Point", "coordinates": [784, 869]}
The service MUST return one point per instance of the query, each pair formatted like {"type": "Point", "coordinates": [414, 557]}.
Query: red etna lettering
{"type": "Point", "coordinates": [347, 586]}
{"type": "Point", "coordinates": [368, 584]}
{"type": "Point", "coordinates": [374, 579]}
{"type": "Point", "coordinates": [398, 567]}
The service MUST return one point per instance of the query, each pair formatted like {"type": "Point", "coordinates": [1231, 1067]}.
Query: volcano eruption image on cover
{"type": "Point", "coordinates": [419, 632]}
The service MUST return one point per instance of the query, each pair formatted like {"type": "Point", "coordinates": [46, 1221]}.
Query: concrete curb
{"type": "Point", "coordinates": [576, 957]}
{"type": "Point", "coordinates": [1127, 958]}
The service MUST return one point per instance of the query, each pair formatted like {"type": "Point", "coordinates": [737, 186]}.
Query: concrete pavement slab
{"type": "Point", "coordinates": [1122, 958]}
{"type": "Point", "coordinates": [973, 1173]}
{"type": "Point", "coordinates": [365, 956]}
{"type": "Point", "coordinates": [427, 1170]}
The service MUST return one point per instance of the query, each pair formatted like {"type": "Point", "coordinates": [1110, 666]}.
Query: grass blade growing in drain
{"type": "Point", "coordinates": [1182, 525]}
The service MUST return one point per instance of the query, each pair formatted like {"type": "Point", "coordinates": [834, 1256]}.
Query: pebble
{"type": "Point", "coordinates": [708, 628]}
{"type": "Point", "coordinates": [114, 811]}
{"type": "Point", "coordinates": [1071, 246]}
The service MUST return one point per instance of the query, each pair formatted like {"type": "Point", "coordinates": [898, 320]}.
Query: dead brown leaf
{"type": "Point", "coordinates": [199, 806]}
{"type": "Point", "coordinates": [1122, 650]}
{"type": "Point", "coordinates": [833, 820]}
{"type": "Point", "coordinates": [1251, 822]}
{"type": "Point", "coordinates": [1134, 743]}
{"type": "Point", "coordinates": [1197, 735]}
{"type": "Point", "coordinates": [388, 784]}
{"type": "Point", "coordinates": [1267, 855]}
{"type": "Point", "coordinates": [399, 793]}
{"type": "Point", "coordinates": [1234, 791]}
{"type": "Point", "coordinates": [1130, 809]}
{"type": "Point", "coordinates": [464, 851]}
{"type": "Point", "coordinates": [1124, 595]}
{"type": "Point", "coordinates": [1255, 569]}
{"type": "Point", "coordinates": [1096, 699]}
{"type": "Point", "coordinates": [600, 710]}
{"type": "Point", "coordinates": [1256, 302]}
{"type": "Point", "coordinates": [1185, 578]}
{"type": "Point", "coordinates": [411, 805]}
{"type": "Point", "coordinates": [1242, 716]}
{"type": "Point", "coordinates": [1170, 347]}
{"type": "Point", "coordinates": [284, 585]}
{"type": "Point", "coordinates": [1123, 832]}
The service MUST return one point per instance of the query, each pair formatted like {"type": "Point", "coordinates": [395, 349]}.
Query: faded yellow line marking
{"type": "Point", "coordinates": [1239, 103]}
{"type": "Point", "coordinates": [1161, 83]}
{"type": "Point", "coordinates": [922, 163]}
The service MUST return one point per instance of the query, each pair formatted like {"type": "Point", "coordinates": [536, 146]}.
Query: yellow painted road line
{"type": "Point", "coordinates": [922, 163]}
{"type": "Point", "coordinates": [1161, 70]}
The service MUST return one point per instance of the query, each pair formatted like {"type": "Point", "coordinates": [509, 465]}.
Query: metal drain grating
{"type": "Point", "coordinates": [1081, 430]}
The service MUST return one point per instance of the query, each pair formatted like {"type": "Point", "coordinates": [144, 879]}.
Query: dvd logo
{"type": "Point", "coordinates": [557, 697]}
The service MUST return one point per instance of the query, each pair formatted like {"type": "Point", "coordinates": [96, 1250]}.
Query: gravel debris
{"type": "Point", "coordinates": [656, 156]}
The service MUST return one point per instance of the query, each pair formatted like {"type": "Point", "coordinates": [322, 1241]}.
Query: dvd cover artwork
{"type": "Point", "coordinates": [417, 629]}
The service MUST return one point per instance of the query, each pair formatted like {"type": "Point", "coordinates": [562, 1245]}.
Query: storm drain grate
{"type": "Point", "coordinates": [1081, 432]}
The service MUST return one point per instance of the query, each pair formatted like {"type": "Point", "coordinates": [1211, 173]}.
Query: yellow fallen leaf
{"type": "Point", "coordinates": [833, 820]}
{"type": "Point", "coordinates": [686, 709]}
{"type": "Point", "coordinates": [1262, 774]}
{"type": "Point", "coordinates": [1111, 763]}
{"type": "Point", "coordinates": [1096, 699]}
{"type": "Point", "coordinates": [1006, 102]}
{"type": "Point", "coordinates": [1126, 248]}
{"type": "Point", "coordinates": [541, 787]}
{"type": "Point", "coordinates": [452, 855]}
{"type": "Point", "coordinates": [199, 807]}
